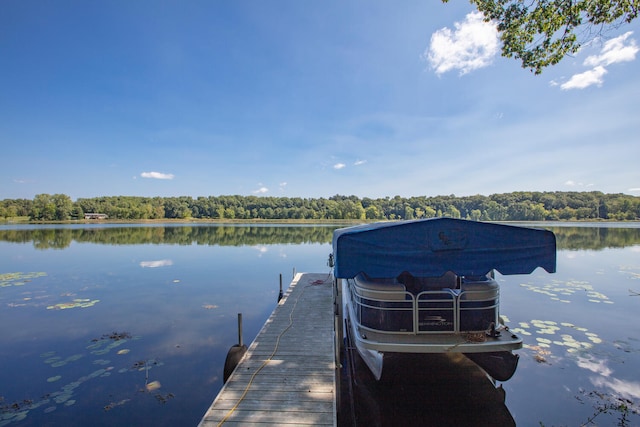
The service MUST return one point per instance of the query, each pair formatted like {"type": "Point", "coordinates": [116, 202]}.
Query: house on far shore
{"type": "Point", "coordinates": [95, 216]}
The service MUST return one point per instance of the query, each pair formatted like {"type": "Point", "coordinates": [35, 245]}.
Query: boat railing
{"type": "Point", "coordinates": [383, 310]}
{"type": "Point", "coordinates": [390, 308]}
{"type": "Point", "coordinates": [478, 306]}
{"type": "Point", "coordinates": [436, 311]}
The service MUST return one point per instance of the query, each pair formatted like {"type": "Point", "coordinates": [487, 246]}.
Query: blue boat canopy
{"type": "Point", "coordinates": [431, 247]}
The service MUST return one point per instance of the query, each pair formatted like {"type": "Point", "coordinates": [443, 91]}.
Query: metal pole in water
{"type": "Point", "coordinates": [235, 353]}
{"type": "Point", "coordinates": [280, 294]}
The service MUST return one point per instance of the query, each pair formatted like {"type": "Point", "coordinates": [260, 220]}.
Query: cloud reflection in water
{"type": "Point", "coordinates": [156, 264]}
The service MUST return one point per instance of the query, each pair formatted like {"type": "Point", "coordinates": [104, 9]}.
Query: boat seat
{"type": "Point", "coordinates": [381, 289]}
{"type": "Point", "coordinates": [447, 280]}
{"type": "Point", "coordinates": [483, 288]}
{"type": "Point", "coordinates": [416, 284]}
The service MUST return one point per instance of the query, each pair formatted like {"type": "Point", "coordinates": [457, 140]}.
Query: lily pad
{"type": "Point", "coordinates": [559, 291]}
{"type": "Point", "coordinates": [567, 341]}
{"type": "Point", "coordinates": [97, 373]}
{"type": "Point", "coordinates": [62, 398]}
{"type": "Point", "coordinates": [82, 303]}
{"type": "Point", "coordinates": [74, 357]}
{"type": "Point", "coordinates": [18, 278]}
{"type": "Point", "coordinates": [153, 385]}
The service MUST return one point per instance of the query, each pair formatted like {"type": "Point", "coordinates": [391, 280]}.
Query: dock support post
{"type": "Point", "coordinates": [235, 353]}
{"type": "Point", "coordinates": [280, 293]}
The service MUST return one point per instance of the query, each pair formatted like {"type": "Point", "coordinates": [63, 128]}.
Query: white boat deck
{"type": "Point", "coordinates": [287, 376]}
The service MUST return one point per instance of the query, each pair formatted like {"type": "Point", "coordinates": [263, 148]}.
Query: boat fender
{"type": "Point", "coordinates": [233, 358]}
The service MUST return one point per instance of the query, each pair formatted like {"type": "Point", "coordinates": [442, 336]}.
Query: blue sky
{"type": "Point", "coordinates": [302, 99]}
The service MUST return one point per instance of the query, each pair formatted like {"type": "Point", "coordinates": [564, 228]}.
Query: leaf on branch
{"type": "Point", "coordinates": [542, 32]}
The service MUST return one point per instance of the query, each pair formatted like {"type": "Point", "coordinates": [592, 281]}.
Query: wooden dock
{"type": "Point", "coordinates": [287, 376]}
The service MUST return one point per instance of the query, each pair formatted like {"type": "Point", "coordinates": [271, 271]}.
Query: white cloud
{"type": "Point", "coordinates": [339, 166]}
{"type": "Point", "coordinates": [619, 49]}
{"type": "Point", "coordinates": [261, 190]}
{"type": "Point", "coordinates": [472, 45]}
{"type": "Point", "coordinates": [633, 190]}
{"type": "Point", "coordinates": [157, 175]}
{"type": "Point", "coordinates": [359, 162]}
{"type": "Point", "coordinates": [571, 183]}
{"type": "Point", "coordinates": [614, 51]}
{"type": "Point", "coordinates": [586, 79]}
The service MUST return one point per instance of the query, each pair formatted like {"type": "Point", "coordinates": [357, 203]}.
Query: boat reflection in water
{"type": "Point", "coordinates": [425, 390]}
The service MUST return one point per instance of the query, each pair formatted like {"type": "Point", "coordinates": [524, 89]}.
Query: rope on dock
{"type": "Point", "coordinates": [275, 350]}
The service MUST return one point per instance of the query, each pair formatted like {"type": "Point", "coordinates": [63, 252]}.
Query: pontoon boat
{"type": "Point", "coordinates": [428, 286]}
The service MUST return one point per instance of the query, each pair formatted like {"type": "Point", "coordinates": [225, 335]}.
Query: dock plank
{"type": "Point", "coordinates": [287, 376]}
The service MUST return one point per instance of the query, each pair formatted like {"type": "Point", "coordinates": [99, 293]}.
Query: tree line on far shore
{"type": "Point", "coordinates": [516, 206]}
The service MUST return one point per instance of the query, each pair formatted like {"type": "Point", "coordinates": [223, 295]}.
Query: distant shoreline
{"type": "Point", "coordinates": [290, 221]}
{"type": "Point", "coordinates": [190, 221]}
{"type": "Point", "coordinates": [517, 206]}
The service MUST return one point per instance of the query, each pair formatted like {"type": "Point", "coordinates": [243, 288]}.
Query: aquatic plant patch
{"type": "Point", "coordinates": [18, 278]}
{"type": "Point", "coordinates": [68, 394]}
{"type": "Point", "coordinates": [550, 336]}
{"type": "Point", "coordinates": [76, 303]}
{"type": "Point", "coordinates": [563, 291]}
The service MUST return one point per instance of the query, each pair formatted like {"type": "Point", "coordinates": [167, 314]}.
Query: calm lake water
{"type": "Point", "coordinates": [110, 324]}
